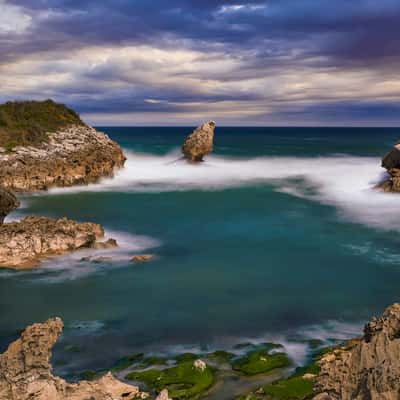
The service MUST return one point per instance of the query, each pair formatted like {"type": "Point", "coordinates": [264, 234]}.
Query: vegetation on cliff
{"type": "Point", "coordinates": [24, 123]}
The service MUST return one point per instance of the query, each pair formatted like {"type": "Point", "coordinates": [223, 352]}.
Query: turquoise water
{"type": "Point", "coordinates": [276, 236]}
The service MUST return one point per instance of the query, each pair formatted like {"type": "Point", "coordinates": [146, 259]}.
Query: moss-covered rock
{"type": "Point", "coordinates": [183, 381]}
{"type": "Point", "coordinates": [263, 359]}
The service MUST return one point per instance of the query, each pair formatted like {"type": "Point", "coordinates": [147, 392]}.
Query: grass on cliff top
{"type": "Point", "coordinates": [183, 381]}
{"type": "Point", "coordinates": [26, 123]}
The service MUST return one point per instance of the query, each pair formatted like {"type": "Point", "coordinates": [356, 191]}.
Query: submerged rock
{"type": "Point", "coordinates": [25, 243]}
{"type": "Point", "coordinates": [26, 372]}
{"type": "Point", "coordinates": [8, 203]}
{"type": "Point", "coordinates": [77, 154]}
{"type": "Point", "coordinates": [108, 244]}
{"type": "Point", "coordinates": [142, 258]}
{"type": "Point", "coordinates": [366, 368]}
{"type": "Point", "coordinates": [200, 142]}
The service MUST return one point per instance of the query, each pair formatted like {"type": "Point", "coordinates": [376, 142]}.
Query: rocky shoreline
{"type": "Point", "coordinates": [360, 369]}
{"type": "Point", "coordinates": [75, 155]}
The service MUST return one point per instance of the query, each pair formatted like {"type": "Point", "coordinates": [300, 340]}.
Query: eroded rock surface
{"type": "Point", "coordinates": [8, 202]}
{"type": "Point", "coordinates": [391, 162]}
{"type": "Point", "coordinates": [26, 372]}
{"type": "Point", "coordinates": [72, 156]}
{"type": "Point", "coordinates": [366, 368]}
{"type": "Point", "coordinates": [24, 243]}
{"type": "Point", "coordinates": [200, 142]}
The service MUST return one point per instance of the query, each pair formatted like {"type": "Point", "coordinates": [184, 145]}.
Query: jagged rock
{"type": "Point", "coordinates": [74, 155]}
{"type": "Point", "coordinates": [23, 244]}
{"type": "Point", "coordinates": [108, 244]}
{"type": "Point", "coordinates": [391, 162]}
{"type": "Point", "coordinates": [8, 202]}
{"type": "Point", "coordinates": [163, 395]}
{"type": "Point", "coordinates": [26, 372]}
{"type": "Point", "coordinates": [366, 368]}
{"type": "Point", "coordinates": [200, 365]}
{"type": "Point", "coordinates": [142, 258]}
{"type": "Point", "coordinates": [200, 142]}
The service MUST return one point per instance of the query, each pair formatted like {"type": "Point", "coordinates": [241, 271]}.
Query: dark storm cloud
{"type": "Point", "coordinates": [269, 37]}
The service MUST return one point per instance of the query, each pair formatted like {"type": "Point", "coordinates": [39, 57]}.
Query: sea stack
{"type": "Point", "coordinates": [8, 203]}
{"type": "Point", "coordinates": [199, 142]}
{"type": "Point", "coordinates": [45, 144]}
{"type": "Point", "coordinates": [365, 368]}
{"type": "Point", "coordinates": [26, 372]}
{"type": "Point", "coordinates": [391, 162]}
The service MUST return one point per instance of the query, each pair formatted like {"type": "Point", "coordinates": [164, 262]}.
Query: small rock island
{"type": "Point", "coordinates": [200, 142]}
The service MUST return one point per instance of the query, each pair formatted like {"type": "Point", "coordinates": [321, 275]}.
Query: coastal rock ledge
{"type": "Point", "coordinates": [73, 155]}
{"type": "Point", "coordinates": [366, 368]}
{"type": "Point", "coordinates": [25, 243]}
{"type": "Point", "coordinates": [26, 372]}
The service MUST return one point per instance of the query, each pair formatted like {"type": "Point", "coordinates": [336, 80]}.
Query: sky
{"type": "Point", "coordinates": [180, 62]}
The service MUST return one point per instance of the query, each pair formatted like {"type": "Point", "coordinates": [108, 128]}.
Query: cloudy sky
{"type": "Point", "coordinates": [178, 62]}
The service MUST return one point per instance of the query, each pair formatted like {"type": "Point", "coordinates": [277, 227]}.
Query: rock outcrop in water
{"type": "Point", "coordinates": [25, 243]}
{"type": "Point", "coordinates": [26, 372]}
{"type": "Point", "coordinates": [8, 203]}
{"type": "Point", "coordinates": [200, 142]}
{"type": "Point", "coordinates": [391, 162]}
{"type": "Point", "coordinates": [73, 155]}
{"type": "Point", "coordinates": [366, 368]}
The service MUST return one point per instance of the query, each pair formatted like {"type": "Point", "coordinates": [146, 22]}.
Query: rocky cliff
{"type": "Point", "coordinates": [73, 155]}
{"type": "Point", "coordinates": [8, 203]}
{"type": "Point", "coordinates": [24, 243]}
{"type": "Point", "coordinates": [26, 373]}
{"type": "Point", "coordinates": [199, 142]}
{"type": "Point", "coordinates": [367, 368]}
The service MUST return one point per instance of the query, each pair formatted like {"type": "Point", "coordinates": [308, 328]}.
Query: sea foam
{"type": "Point", "coordinates": [343, 181]}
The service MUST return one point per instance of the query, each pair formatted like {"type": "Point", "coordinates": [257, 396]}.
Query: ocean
{"type": "Point", "coordinates": [277, 236]}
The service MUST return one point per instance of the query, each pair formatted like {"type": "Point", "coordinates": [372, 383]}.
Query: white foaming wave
{"type": "Point", "coordinates": [345, 182]}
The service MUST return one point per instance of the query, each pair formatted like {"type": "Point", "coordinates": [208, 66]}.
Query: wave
{"type": "Point", "coordinates": [343, 181]}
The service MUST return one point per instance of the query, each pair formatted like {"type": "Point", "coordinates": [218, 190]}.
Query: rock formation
{"type": "Point", "coordinates": [391, 162]}
{"type": "Point", "coordinates": [76, 154]}
{"type": "Point", "coordinates": [163, 395]}
{"type": "Point", "coordinates": [23, 244]}
{"type": "Point", "coordinates": [200, 142]}
{"type": "Point", "coordinates": [140, 258]}
{"type": "Point", "coordinates": [26, 373]}
{"type": "Point", "coordinates": [366, 368]}
{"type": "Point", "coordinates": [8, 202]}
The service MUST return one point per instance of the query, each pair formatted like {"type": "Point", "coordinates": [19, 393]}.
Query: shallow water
{"type": "Point", "coordinates": [276, 237]}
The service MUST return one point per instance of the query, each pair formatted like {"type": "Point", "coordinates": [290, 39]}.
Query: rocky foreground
{"type": "Point", "coordinates": [26, 372]}
{"type": "Point", "coordinates": [73, 155]}
{"type": "Point", "coordinates": [366, 368]}
{"type": "Point", "coordinates": [25, 243]}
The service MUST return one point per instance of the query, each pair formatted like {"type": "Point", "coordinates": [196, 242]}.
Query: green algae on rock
{"type": "Point", "coordinates": [261, 360]}
{"type": "Point", "coordinates": [183, 381]}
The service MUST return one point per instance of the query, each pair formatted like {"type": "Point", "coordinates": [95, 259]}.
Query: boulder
{"type": "Point", "coordinates": [163, 395]}
{"type": "Point", "coordinates": [8, 203]}
{"type": "Point", "coordinates": [26, 372]}
{"type": "Point", "coordinates": [391, 162]}
{"type": "Point", "coordinates": [199, 142]}
{"type": "Point", "coordinates": [142, 258]}
{"type": "Point", "coordinates": [25, 243]}
{"type": "Point", "coordinates": [365, 368]}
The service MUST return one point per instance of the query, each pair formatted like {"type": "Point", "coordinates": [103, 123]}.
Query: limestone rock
{"type": "Point", "coordinates": [391, 162]}
{"type": "Point", "coordinates": [200, 142]}
{"type": "Point", "coordinates": [200, 365]}
{"type": "Point", "coordinates": [26, 372]}
{"type": "Point", "coordinates": [108, 244]}
{"type": "Point", "coordinates": [142, 258]}
{"type": "Point", "coordinates": [23, 244]}
{"type": "Point", "coordinates": [8, 202]}
{"type": "Point", "coordinates": [366, 368]}
{"type": "Point", "coordinates": [74, 155]}
{"type": "Point", "coordinates": [163, 395]}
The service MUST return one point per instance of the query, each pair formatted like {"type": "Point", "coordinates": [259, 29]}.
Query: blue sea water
{"type": "Point", "coordinates": [278, 235]}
